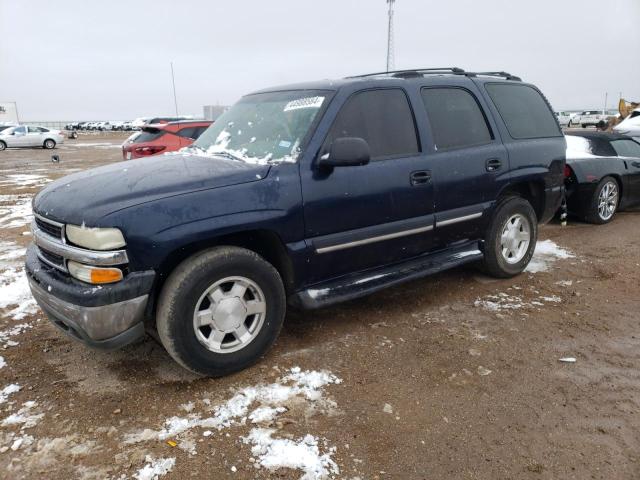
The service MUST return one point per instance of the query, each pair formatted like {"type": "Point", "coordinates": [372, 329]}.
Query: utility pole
{"type": "Point", "coordinates": [173, 81]}
{"type": "Point", "coordinates": [390, 33]}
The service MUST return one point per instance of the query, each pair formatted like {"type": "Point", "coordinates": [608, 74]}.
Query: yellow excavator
{"type": "Point", "coordinates": [625, 107]}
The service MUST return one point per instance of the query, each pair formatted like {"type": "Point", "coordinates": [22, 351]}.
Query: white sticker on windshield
{"type": "Point", "coordinates": [308, 102]}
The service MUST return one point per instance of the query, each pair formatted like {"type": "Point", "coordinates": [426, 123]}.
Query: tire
{"type": "Point", "coordinates": [506, 251]}
{"type": "Point", "coordinates": [3, 146]}
{"type": "Point", "coordinates": [584, 125]}
{"type": "Point", "coordinates": [49, 144]}
{"type": "Point", "coordinates": [569, 124]}
{"type": "Point", "coordinates": [604, 204]}
{"type": "Point", "coordinates": [191, 286]}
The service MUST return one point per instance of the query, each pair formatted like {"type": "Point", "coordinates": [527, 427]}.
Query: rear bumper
{"type": "Point", "coordinates": [105, 317]}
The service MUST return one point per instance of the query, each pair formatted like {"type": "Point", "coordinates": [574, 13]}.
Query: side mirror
{"type": "Point", "coordinates": [346, 152]}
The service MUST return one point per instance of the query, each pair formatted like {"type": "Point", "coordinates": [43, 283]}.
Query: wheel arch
{"type": "Point", "coordinates": [265, 243]}
{"type": "Point", "coordinates": [530, 190]}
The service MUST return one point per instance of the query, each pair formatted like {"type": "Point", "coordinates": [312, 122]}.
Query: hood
{"type": "Point", "coordinates": [90, 195]}
{"type": "Point", "coordinates": [629, 126]}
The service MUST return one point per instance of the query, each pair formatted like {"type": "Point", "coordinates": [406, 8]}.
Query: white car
{"type": "Point", "coordinates": [30, 136]}
{"type": "Point", "coordinates": [591, 118]}
{"type": "Point", "coordinates": [566, 119]}
{"type": "Point", "coordinates": [630, 126]}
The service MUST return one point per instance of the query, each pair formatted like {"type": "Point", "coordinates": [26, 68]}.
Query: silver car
{"type": "Point", "coordinates": [30, 136]}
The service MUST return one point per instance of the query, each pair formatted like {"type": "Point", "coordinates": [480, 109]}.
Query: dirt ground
{"type": "Point", "coordinates": [457, 376]}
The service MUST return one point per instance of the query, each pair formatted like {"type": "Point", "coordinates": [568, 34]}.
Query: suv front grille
{"type": "Point", "coordinates": [49, 228]}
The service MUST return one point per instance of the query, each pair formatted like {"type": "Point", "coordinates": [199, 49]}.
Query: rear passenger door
{"type": "Point", "coordinates": [467, 159]}
{"type": "Point", "coordinates": [371, 215]}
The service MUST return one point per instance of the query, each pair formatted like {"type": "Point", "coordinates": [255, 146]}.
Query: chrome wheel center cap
{"type": "Point", "coordinates": [229, 314]}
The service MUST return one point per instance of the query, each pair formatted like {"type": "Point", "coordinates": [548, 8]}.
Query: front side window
{"type": "Point", "coordinates": [626, 148]}
{"type": "Point", "coordinates": [381, 117]}
{"type": "Point", "coordinates": [262, 128]}
{"type": "Point", "coordinates": [523, 110]}
{"type": "Point", "coordinates": [456, 118]}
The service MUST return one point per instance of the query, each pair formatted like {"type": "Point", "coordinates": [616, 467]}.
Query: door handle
{"type": "Point", "coordinates": [493, 164]}
{"type": "Point", "coordinates": [420, 177]}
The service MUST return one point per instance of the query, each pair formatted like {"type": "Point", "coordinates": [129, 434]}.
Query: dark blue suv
{"type": "Point", "coordinates": [304, 195]}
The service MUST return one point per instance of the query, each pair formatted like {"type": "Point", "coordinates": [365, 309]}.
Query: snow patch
{"type": "Point", "coordinates": [296, 383]}
{"type": "Point", "coordinates": [24, 416]}
{"type": "Point", "coordinates": [8, 390]}
{"type": "Point", "coordinates": [546, 253]}
{"type": "Point", "coordinates": [303, 454]}
{"type": "Point", "coordinates": [16, 293]}
{"type": "Point", "coordinates": [155, 468]}
{"type": "Point", "coordinates": [17, 211]}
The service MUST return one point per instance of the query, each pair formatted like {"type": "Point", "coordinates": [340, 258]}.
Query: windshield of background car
{"type": "Point", "coordinates": [265, 127]}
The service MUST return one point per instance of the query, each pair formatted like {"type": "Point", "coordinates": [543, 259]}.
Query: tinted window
{"type": "Point", "coordinates": [456, 118]}
{"type": "Point", "coordinates": [383, 118]}
{"type": "Point", "coordinates": [148, 136]}
{"type": "Point", "coordinates": [199, 131]}
{"type": "Point", "coordinates": [626, 148]}
{"type": "Point", "coordinates": [523, 110]}
{"type": "Point", "coordinates": [188, 132]}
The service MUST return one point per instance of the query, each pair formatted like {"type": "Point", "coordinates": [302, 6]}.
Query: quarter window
{"type": "Point", "coordinates": [626, 148]}
{"type": "Point", "coordinates": [524, 111]}
{"type": "Point", "coordinates": [381, 117]}
{"type": "Point", "coordinates": [456, 118]}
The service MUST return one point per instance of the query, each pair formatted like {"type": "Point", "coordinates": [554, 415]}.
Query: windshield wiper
{"type": "Point", "coordinates": [228, 155]}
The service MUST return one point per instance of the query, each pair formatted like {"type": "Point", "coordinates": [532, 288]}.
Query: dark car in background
{"type": "Point", "coordinates": [307, 195]}
{"type": "Point", "coordinates": [602, 175]}
{"type": "Point", "coordinates": [162, 138]}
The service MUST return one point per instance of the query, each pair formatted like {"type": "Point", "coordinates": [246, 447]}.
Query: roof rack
{"type": "Point", "coordinates": [420, 72]}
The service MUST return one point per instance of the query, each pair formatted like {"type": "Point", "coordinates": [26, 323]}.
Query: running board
{"type": "Point", "coordinates": [371, 281]}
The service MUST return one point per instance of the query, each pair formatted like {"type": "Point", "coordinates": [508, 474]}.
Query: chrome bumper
{"type": "Point", "coordinates": [106, 326]}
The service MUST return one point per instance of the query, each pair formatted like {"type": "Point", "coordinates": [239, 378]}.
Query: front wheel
{"type": "Point", "coordinates": [511, 238]}
{"type": "Point", "coordinates": [49, 144]}
{"type": "Point", "coordinates": [2, 145]}
{"type": "Point", "coordinates": [221, 310]}
{"type": "Point", "coordinates": [604, 202]}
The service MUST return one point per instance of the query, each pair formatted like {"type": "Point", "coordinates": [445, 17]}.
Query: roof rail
{"type": "Point", "coordinates": [455, 70]}
{"type": "Point", "coordinates": [419, 72]}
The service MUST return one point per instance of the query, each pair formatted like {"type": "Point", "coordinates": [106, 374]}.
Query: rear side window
{"type": "Point", "coordinates": [188, 132]}
{"type": "Point", "coordinates": [523, 110]}
{"type": "Point", "coordinates": [148, 136]}
{"type": "Point", "coordinates": [383, 118]}
{"type": "Point", "coordinates": [626, 148]}
{"type": "Point", "coordinates": [456, 118]}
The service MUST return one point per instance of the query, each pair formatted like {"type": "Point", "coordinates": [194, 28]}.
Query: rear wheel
{"type": "Point", "coordinates": [221, 310]}
{"type": "Point", "coordinates": [49, 144]}
{"type": "Point", "coordinates": [511, 238]}
{"type": "Point", "coordinates": [604, 201]}
{"type": "Point", "coordinates": [584, 125]}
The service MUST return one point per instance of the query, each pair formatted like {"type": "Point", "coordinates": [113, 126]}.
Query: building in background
{"type": "Point", "coordinates": [8, 112]}
{"type": "Point", "coordinates": [212, 112]}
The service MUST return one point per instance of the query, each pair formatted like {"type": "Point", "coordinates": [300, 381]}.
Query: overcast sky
{"type": "Point", "coordinates": [109, 60]}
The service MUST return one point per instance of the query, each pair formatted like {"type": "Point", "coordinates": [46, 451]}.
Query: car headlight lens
{"type": "Point", "coordinates": [95, 238]}
{"type": "Point", "coordinates": [95, 275]}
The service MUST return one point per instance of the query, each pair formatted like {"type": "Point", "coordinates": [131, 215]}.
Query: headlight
{"type": "Point", "coordinates": [95, 238]}
{"type": "Point", "coordinates": [95, 275]}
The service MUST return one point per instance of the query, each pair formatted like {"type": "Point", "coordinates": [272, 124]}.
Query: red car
{"type": "Point", "coordinates": [163, 137]}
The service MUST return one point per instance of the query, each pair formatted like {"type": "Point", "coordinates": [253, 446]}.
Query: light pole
{"type": "Point", "coordinates": [173, 81]}
{"type": "Point", "coordinates": [390, 52]}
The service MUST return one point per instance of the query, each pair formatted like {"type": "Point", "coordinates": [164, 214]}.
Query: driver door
{"type": "Point", "coordinates": [20, 137]}
{"type": "Point", "coordinates": [359, 217]}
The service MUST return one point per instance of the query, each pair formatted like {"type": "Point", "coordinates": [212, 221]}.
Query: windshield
{"type": "Point", "coordinates": [264, 128]}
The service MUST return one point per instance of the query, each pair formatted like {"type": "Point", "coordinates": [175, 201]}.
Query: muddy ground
{"type": "Point", "coordinates": [456, 376]}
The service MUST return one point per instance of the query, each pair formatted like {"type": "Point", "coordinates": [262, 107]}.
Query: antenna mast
{"type": "Point", "coordinates": [390, 46]}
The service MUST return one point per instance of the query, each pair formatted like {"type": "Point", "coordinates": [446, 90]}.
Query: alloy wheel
{"type": "Point", "coordinates": [229, 314]}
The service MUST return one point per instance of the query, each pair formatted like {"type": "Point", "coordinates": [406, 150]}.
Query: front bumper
{"type": "Point", "coordinates": [106, 316]}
